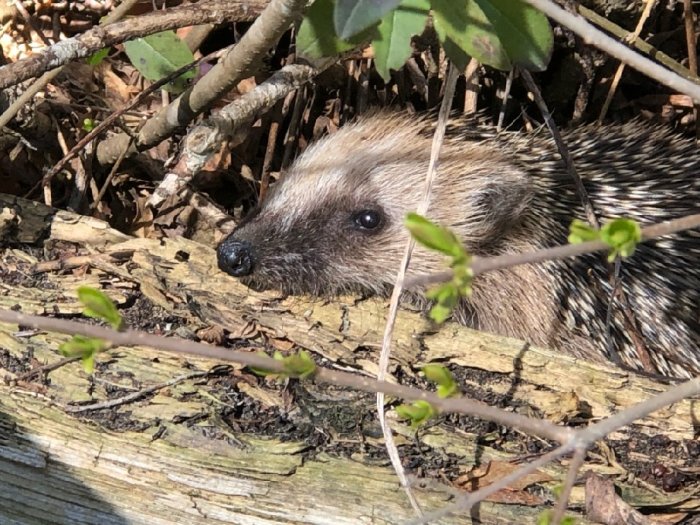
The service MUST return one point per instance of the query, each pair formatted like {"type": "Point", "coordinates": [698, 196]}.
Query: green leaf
{"type": "Point", "coordinates": [85, 347]}
{"type": "Point", "coordinates": [500, 33]}
{"type": "Point", "coordinates": [622, 235]}
{"type": "Point", "coordinates": [462, 278]}
{"type": "Point", "coordinates": [299, 365]}
{"type": "Point", "coordinates": [393, 45]}
{"type": "Point", "coordinates": [580, 231]}
{"type": "Point", "coordinates": [317, 38]}
{"type": "Point", "coordinates": [264, 372]}
{"type": "Point", "coordinates": [524, 31]}
{"type": "Point", "coordinates": [446, 297]}
{"type": "Point", "coordinates": [99, 306]}
{"type": "Point", "coordinates": [88, 124]}
{"type": "Point", "coordinates": [433, 236]}
{"type": "Point", "coordinates": [157, 56]}
{"type": "Point", "coordinates": [456, 54]}
{"type": "Point", "coordinates": [417, 413]}
{"type": "Point", "coordinates": [352, 16]}
{"type": "Point", "coordinates": [97, 57]}
{"type": "Point", "coordinates": [440, 375]}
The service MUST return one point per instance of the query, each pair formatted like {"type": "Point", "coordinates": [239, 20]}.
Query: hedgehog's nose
{"type": "Point", "coordinates": [235, 257]}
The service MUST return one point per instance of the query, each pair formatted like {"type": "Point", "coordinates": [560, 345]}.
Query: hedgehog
{"type": "Point", "coordinates": [333, 225]}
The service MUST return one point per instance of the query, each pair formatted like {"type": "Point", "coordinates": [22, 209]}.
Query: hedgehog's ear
{"type": "Point", "coordinates": [494, 208]}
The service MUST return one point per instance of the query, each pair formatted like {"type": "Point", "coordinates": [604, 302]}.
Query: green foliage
{"type": "Point", "coordinates": [421, 411]}
{"type": "Point", "coordinates": [296, 365]}
{"type": "Point", "coordinates": [317, 38]}
{"type": "Point", "coordinates": [446, 384]}
{"type": "Point", "coordinates": [581, 231]}
{"type": "Point", "coordinates": [88, 125]}
{"type": "Point", "coordinates": [446, 298]}
{"type": "Point", "coordinates": [353, 16]}
{"type": "Point", "coordinates": [434, 237]}
{"type": "Point", "coordinates": [157, 56]}
{"type": "Point", "coordinates": [393, 45]}
{"type": "Point", "coordinates": [622, 235]}
{"type": "Point", "coordinates": [99, 306]}
{"type": "Point", "coordinates": [417, 413]}
{"type": "Point", "coordinates": [97, 57]}
{"type": "Point", "coordinates": [84, 347]}
{"type": "Point", "coordinates": [500, 33]}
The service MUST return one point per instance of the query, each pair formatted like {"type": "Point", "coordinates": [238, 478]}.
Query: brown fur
{"type": "Point", "coordinates": [499, 194]}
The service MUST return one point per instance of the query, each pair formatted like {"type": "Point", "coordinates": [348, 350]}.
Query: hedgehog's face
{"type": "Point", "coordinates": [324, 234]}
{"type": "Point", "coordinates": [334, 223]}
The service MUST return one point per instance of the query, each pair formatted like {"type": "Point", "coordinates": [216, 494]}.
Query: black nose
{"type": "Point", "coordinates": [235, 257]}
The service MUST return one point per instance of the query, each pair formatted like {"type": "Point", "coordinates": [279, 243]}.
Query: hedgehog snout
{"type": "Point", "coordinates": [235, 257]}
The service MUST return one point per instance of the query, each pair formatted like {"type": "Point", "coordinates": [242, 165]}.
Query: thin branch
{"type": "Point", "coordinates": [563, 150]}
{"type": "Point", "coordinates": [204, 140]}
{"type": "Point", "coordinates": [621, 67]}
{"type": "Point", "coordinates": [438, 139]}
{"type": "Point", "coordinates": [110, 119]}
{"type": "Point", "coordinates": [640, 45]}
{"type": "Point", "coordinates": [87, 43]}
{"type": "Point", "coordinates": [47, 77]}
{"type": "Point", "coordinates": [465, 503]}
{"type": "Point", "coordinates": [241, 62]}
{"type": "Point", "coordinates": [130, 338]}
{"type": "Point", "coordinates": [487, 264]}
{"type": "Point", "coordinates": [134, 396]}
{"type": "Point", "coordinates": [571, 475]}
{"type": "Point", "coordinates": [691, 42]}
{"type": "Point", "coordinates": [597, 38]}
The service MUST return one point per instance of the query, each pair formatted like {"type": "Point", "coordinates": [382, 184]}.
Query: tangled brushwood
{"type": "Point", "coordinates": [334, 224]}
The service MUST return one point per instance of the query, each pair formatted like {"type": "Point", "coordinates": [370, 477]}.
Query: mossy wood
{"type": "Point", "coordinates": [190, 452]}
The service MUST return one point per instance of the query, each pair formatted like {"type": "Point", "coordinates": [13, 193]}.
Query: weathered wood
{"type": "Point", "coordinates": [174, 457]}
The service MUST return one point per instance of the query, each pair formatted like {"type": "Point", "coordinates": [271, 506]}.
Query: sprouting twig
{"type": "Point", "coordinates": [362, 383]}
{"type": "Point", "coordinates": [486, 264]}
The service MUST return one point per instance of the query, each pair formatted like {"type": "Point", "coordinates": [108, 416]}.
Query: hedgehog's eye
{"type": "Point", "coordinates": [367, 219]}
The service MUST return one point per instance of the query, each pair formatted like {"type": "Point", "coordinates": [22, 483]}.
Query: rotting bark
{"type": "Point", "coordinates": [230, 448]}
